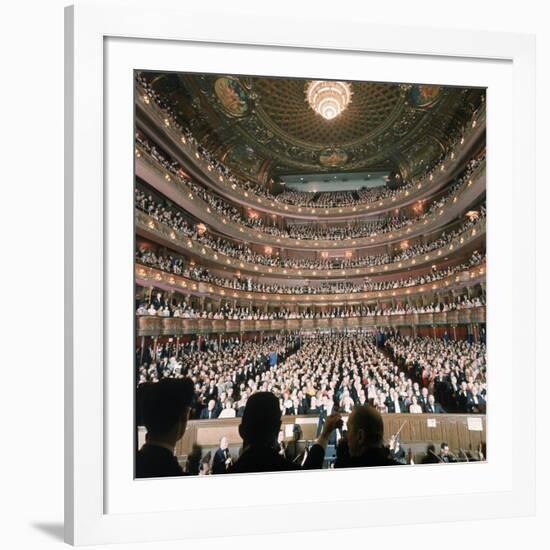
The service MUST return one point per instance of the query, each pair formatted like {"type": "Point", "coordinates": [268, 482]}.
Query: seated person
{"type": "Point", "coordinates": [164, 410]}
{"type": "Point", "coordinates": [228, 411]}
{"type": "Point", "coordinates": [432, 407]}
{"type": "Point", "coordinates": [222, 458]}
{"type": "Point", "coordinates": [210, 411]}
{"type": "Point", "coordinates": [365, 440]}
{"type": "Point", "coordinates": [397, 452]}
{"type": "Point", "coordinates": [313, 408]}
{"type": "Point", "coordinates": [414, 407]}
{"type": "Point", "coordinates": [476, 403]}
{"type": "Point", "coordinates": [295, 408]}
{"type": "Point", "coordinates": [445, 454]}
{"type": "Point", "coordinates": [431, 457]}
{"type": "Point", "coordinates": [259, 430]}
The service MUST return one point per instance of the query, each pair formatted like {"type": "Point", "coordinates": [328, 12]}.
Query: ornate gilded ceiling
{"type": "Point", "coordinates": [282, 102]}
{"type": "Point", "coordinates": [263, 127]}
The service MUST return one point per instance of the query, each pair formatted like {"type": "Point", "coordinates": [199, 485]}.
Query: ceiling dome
{"type": "Point", "coordinates": [265, 127]}
{"type": "Point", "coordinates": [281, 103]}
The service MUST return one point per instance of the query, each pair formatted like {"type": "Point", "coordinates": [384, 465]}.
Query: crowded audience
{"type": "Point", "coordinates": [300, 395]}
{"type": "Point", "coordinates": [316, 373]}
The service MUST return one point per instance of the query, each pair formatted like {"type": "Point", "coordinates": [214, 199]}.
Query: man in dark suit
{"type": "Point", "coordinates": [423, 399]}
{"type": "Point", "coordinates": [431, 457]}
{"type": "Point", "coordinates": [295, 409]}
{"type": "Point", "coordinates": [395, 403]}
{"type": "Point", "coordinates": [313, 408]}
{"type": "Point", "coordinates": [164, 409]}
{"type": "Point", "coordinates": [445, 454]}
{"type": "Point", "coordinates": [364, 438]}
{"type": "Point", "coordinates": [432, 407]}
{"type": "Point", "coordinates": [210, 411]}
{"type": "Point", "coordinates": [211, 392]}
{"type": "Point", "coordinates": [475, 403]}
{"type": "Point", "coordinates": [241, 407]}
{"type": "Point", "coordinates": [442, 389]}
{"type": "Point", "coordinates": [259, 430]}
{"type": "Point", "coordinates": [454, 389]}
{"type": "Point", "coordinates": [158, 301]}
{"type": "Point", "coordinates": [462, 398]}
{"type": "Point", "coordinates": [222, 458]}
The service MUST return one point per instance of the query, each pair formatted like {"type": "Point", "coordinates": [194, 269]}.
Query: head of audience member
{"type": "Point", "coordinates": [224, 443]}
{"type": "Point", "coordinates": [431, 400]}
{"type": "Point", "coordinates": [165, 409]}
{"type": "Point", "coordinates": [365, 430]}
{"type": "Point", "coordinates": [211, 404]}
{"type": "Point", "coordinates": [444, 449]}
{"type": "Point", "coordinates": [261, 420]}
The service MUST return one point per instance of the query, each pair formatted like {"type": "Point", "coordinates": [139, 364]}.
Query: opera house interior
{"type": "Point", "coordinates": [309, 254]}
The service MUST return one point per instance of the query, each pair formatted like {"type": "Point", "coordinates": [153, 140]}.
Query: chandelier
{"type": "Point", "coordinates": [329, 99]}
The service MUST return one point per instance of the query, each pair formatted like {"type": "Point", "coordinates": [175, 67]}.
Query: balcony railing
{"type": "Point", "coordinates": [173, 326]}
{"type": "Point", "coordinates": [149, 276]}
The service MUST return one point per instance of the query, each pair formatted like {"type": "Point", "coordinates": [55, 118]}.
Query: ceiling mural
{"type": "Point", "coordinates": [243, 156]}
{"type": "Point", "coordinates": [424, 95]}
{"type": "Point", "coordinates": [232, 96]}
{"type": "Point", "coordinates": [333, 157]}
{"type": "Point", "coordinates": [254, 122]}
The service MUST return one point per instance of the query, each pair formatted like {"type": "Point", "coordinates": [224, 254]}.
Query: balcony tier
{"type": "Point", "coordinates": [181, 194]}
{"type": "Point", "coordinates": [148, 227]}
{"type": "Point", "coordinates": [148, 276]}
{"type": "Point", "coordinates": [155, 123]}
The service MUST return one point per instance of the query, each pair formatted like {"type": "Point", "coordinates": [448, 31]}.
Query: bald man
{"type": "Point", "coordinates": [365, 440]}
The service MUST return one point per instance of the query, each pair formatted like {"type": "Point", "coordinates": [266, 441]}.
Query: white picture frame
{"type": "Point", "coordinates": [104, 42]}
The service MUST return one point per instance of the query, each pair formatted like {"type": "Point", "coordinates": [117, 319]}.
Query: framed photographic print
{"type": "Point", "coordinates": [294, 273]}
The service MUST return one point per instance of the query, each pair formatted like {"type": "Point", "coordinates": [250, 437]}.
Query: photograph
{"type": "Point", "coordinates": [310, 274]}
{"type": "Point", "coordinates": [264, 229]}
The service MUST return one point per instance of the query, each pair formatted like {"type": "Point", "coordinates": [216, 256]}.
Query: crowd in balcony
{"type": "Point", "coordinates": [315, 374]}
{"type": "Point", "coordinates": [313, 231]}
{"type": "Point", "coordinates": [306, 231]}
{"type": "Point", "coordinates": [178, 266]}
{"type": "Point", "coordinates": [333, 199]}
{"type": "Point", "coordinates": [174, 219]}
{"type": "Point", "coordinates": [162, 305]}
{"type": "Point", "coordinates": [363, 196]}
{"type": "Point", "coordinates": [446, 237]}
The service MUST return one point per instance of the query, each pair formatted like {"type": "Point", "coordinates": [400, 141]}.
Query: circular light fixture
{"type": "Point", "coordinates": [329, 99]}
